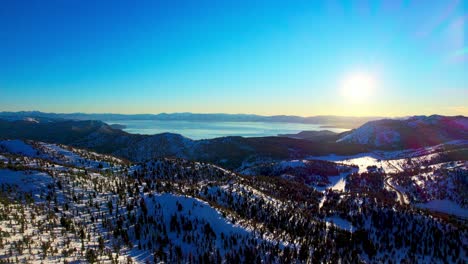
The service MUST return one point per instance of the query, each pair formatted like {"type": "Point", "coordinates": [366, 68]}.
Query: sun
{"type": "Point", "coordinates": [358, 86]}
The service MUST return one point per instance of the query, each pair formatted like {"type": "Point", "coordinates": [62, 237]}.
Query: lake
{"type": "Point", "coordinates": [210, 129]}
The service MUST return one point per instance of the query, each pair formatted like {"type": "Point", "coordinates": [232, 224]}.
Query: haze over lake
{"type": "Point", "coordinates": [207, 129]}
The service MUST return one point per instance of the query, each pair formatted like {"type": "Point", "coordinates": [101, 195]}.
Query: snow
{"type": "Point", "coordinates": [445, 206]}
{"type": "Point", "coordinates": [18, 147]}
{"type": "Point", "coordinates": [32, 120]}
{"type": "Point", "coordinates": [58, 154]}
{"type": "Point", "coordinates": [361, 160]}
{"type": "Point", "coordinates": [27, 181]}
{"type": "Point", "coordinates": [56, 150]}
{"type": "Point", "coordinates": [361, 135]}
{"type": "Point", "coordinates": [385, 137]}
{"type": "Point", "coordinates": [387, 132]}
{"type": "Point", "coordinates": [74, 157]}
{"type": "Point", "coordinates": [242, 189]}
{"type": "Point", "coordinates": [337, 158]}
{"type": "Point", "coordinates": [337, 183]}
{"type": "Point", "coordinates": [162, 205]}
{"type": "Point", "coordinates": [372, 133]}
{"type": "Point", "coordinates": [379, 159]}
{"type": "Point", "coordinates": [292, 164]}
{"type": "Point", "coordinates": [41, 218]}
{"type": "Point", "coordinates": [371, 158]}
{"type": "Point", "coordinates": [340, 223]}
{"type": "Point", "coordinates": [197, 211]}
{"type": "Point", "coordinates": [436, 119]}
{"type": "Point", "coordinates": [421, 151]}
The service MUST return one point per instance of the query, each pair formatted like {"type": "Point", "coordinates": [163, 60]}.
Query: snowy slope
{"type": "Point", "coordinates": [28, 181]}
{"type": "Point", "coordinates": [167, 206]}
{"type": "Point", "coordinates": [372, 134]}
{"type": "Point", "coordinates": [18, 147]}
{"type": "Point", "coordinates": [173, 210]}
{"type": "Point", "coordinates": [414, 132]}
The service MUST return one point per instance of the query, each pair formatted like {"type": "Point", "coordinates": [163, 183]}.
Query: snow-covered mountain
{"type": "Point", "coordinates": [414, 132]}
{"type": "Point", "coordinates": [60, 203]}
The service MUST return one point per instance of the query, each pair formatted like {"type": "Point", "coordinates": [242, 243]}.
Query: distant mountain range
{"type": "Point", "coordinates": [233, 152]}
{"type": "Point", "coordinates": [326, 121]}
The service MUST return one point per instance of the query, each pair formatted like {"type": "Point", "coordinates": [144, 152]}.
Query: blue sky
{"type": "Point", "coordinates": [263, 57]}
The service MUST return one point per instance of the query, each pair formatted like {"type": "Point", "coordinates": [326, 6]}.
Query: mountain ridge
{"type": "Point", "coordinates": [413, 132]}
{"type": "Point", "coordinates": [327, 120]}
{"type": "Point", "coordinates": [230, 152]}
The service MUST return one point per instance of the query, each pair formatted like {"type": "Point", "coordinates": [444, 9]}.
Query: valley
{"type": "Point", "coordinates": [172, 199]}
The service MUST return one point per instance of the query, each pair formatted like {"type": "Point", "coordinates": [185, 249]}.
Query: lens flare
{"type": "Point", "coordinates": [358, 86]}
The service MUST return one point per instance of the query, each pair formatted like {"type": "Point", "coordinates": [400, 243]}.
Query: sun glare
{"type": "Point", "coordinates": [358, 86]}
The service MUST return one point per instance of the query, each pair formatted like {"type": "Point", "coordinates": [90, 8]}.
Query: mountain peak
{"type": "Point", "coordinates": [414, 132]}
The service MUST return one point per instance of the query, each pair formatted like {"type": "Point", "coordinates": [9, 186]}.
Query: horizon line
{"type": "Point", "coordinates": [221, 113]}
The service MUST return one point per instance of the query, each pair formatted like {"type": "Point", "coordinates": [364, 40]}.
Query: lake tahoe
{"type": "Point", "coordinates": [210, 129]}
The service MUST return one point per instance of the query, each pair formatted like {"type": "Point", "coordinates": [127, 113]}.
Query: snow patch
{"type": "Point", "coordinates": [340, 223]}
{"type": "Point", "coordinates": [27, 181]}
{"type": "Point", "coordinates": [445, 206]}
{"type": "Point", "coordinates": [18, 147]}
